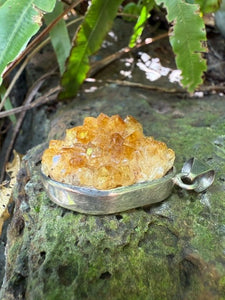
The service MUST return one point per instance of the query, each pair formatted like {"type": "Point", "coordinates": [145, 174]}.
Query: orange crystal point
{"type": "Point", "coordinates": [105, 153]}
{"type": "Point", "coordinates": [133, 125]}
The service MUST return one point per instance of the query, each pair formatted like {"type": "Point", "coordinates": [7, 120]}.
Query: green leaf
{"type": "Point", "coordinates": [139, 26]}
{"type": "Point", "coordinates": [96, 24]}
{"type": "Point", "coordinates": [132, 9]}
{"type": "Point", "coordinates": [7, 104]}
{"type": "Point", "coordinates": [208, 6]}
{"type": "Point", "coordinates": [59, 36]}
{"type": "Point", "coordinates": [19, 21]}
{"type": "Point", "coordinates": [2, 2]}
{"type": "Point", "coordinates": [187, 40]}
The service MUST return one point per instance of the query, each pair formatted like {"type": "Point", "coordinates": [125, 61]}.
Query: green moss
{"type": "Point", "coordinates": [14, 250]}
{"type": "Point", "coordinates": [222, 286]}
{"type": "Point", "coordinates": [171, 250]}
{"type": "Point", "coordinates": [37, 209]}
{"type": "Point", "coordinates": [113, 225]}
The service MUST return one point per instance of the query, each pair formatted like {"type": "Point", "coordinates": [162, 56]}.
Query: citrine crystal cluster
{"type": "Point", "coordinates": [105, 153]}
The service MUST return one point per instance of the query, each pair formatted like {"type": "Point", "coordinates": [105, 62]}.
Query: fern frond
{"type": "Point", "coordinates": [187, 40]}
{"type": "Point", "coordinates": [95, 26]}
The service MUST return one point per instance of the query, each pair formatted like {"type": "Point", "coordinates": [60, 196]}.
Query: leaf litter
{"type": "Point", "coordinates": [6, 188]}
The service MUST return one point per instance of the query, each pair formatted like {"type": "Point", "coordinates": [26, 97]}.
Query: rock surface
{"type": "Point", "coordinates": [172, 250]}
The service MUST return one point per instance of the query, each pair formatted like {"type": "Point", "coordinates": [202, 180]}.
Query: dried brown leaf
{"type": "Point", "coordinates": [6, 188]}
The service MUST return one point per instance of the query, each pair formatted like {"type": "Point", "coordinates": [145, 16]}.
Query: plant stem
{"type": "Point", "coordinates": [28, 58]}
{"type": "Point", "coordinates": [38, 38]}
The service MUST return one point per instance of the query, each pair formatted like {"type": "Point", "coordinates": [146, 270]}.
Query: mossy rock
{"type": "Point", "coordinates": [172, 250]}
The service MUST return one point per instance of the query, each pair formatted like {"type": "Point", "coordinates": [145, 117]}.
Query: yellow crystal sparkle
{"type": "Point", "coordinates": [105, 153]}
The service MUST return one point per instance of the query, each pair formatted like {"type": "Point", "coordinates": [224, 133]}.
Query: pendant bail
{"type": "Point", "coordinates": [195, 175]}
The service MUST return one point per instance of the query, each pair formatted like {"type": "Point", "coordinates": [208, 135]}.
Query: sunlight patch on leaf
{"type": "Point", "coordinates": [143, 17]}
